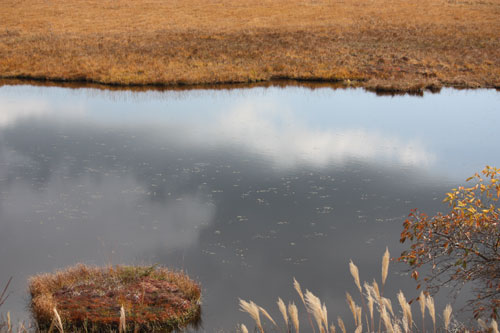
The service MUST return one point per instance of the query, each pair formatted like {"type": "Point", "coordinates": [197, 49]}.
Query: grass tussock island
{"type": "Point", "coordinates": [385, 45]}
{"type": "Point", "coordinates": [118, 298]}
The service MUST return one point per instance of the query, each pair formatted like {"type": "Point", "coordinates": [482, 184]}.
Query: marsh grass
{"type": "Point", "coordinates": [384, 45]}
{"type": "Point", "coordinates": [118, 298]}
{"type": "Point", "coordinates": [389, 320]}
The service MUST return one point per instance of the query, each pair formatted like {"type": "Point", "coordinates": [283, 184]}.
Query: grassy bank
{"type": "Point", "coordinates": [379, 44]}
{"type": "Point", "coordinates": [119, 298]}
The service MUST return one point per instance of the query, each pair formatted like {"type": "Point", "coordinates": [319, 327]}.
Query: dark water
{"type": "Point", "coordinates": [243, 189]}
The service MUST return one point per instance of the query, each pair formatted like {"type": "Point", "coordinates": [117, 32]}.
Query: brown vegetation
{"type": "Point", "coordinates": [103, 299]}
{"type": "Point", "coordinates": [388, 45]}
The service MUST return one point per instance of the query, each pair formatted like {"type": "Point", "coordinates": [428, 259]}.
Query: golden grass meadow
{"type": "Point", "coordinates": [385, 45]}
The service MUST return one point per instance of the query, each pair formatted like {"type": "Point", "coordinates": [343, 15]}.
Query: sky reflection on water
{"type": "Point", "coordinates": [244, 189]}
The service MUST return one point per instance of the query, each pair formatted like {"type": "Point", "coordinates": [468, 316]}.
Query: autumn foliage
{"type": "Point", "coordinates": [462, 245]}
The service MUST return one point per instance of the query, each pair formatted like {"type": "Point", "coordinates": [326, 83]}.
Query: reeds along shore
{"type": "Point", "coordinates": [375, 313]}
{"type": "Point", "coordinates": [384, 45]}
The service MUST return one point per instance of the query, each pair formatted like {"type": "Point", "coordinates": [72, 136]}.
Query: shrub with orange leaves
{"type": "Point", "coordinates": [463, 245]}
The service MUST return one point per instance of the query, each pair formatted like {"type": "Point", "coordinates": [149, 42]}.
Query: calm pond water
{"type": "Point", "coordinates": [243, 189]}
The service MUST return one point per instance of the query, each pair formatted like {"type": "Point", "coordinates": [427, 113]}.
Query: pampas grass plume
{"type": "Point", "coordinates": [282, 307]}
{"type": "Point", "coordinates": [386, 320]}
{"type": "Point", "coordinates": [429, 301]}
{"type": "Point", "coordinates": [352, 307]}
{"type": "Point", "coordinates": [314, 307]}
{"type": "Point", "coordinates": [385, 265]}
{"type": "Point", "coordinates": [294, 315]}
{"type": "Point", "coordinates": [447, 316]}
{"type": "Point", "coordinates": [243, 329]}
{"type": "Point", "coordinates": [341, 324]}
{"type": "Point", "coordinates": [296, 285]}
{"type": "Point", "coordinates": [253, 310]}
{"type": "Point", "coordinates": [355, 274]}
{"type": "Point", "coordinates": [494, 326]}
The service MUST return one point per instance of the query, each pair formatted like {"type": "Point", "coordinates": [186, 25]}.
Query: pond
{"type": "Point", "coordinates": [244, 189]}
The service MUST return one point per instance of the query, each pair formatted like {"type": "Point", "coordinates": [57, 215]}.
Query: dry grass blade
{"type": "Point", "coordinates": [58, 321]}
{"type": "Point", "coordinates": [9, 324]}
{"type": "Point", "coordinates": [355, 274]}
{"type": "Point", "coordinates": [359, 329]}
{"type": "Point", "coordinates": [267, 315]}
{"type": "Point", "coordinates": [3, 296]}
{"type": "Point", "coordinates": [294, 316]}
{"type": "Point", "coordinates": [385, 265]}
{"type": "Point", "coordinates": [253, 310]}
{"type": "Point", "coordinates": [341, 324]}
{"type": "Point", "coordinates": [123, 326]}
{"type": "Point", "coordinates": [282, 308]}
{"type": "Point", "coordinates": [332, 328]}
{"type": "Point", "coordinates": [447, 316]}
{"type": "Point", "coordinates": [243, 329]}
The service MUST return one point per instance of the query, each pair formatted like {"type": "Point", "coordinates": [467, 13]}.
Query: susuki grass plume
{"type": "Point", "coordinates": [297, 287]}
{"type": "Point", "coordinates": [243, 329]}
{"type": "Point", "coordinates": [341, 324]}
{"type": "Point", "coordinates": [421, 301]}
{"type": "Point", "coordinates": [385, 266]}
{"type": "Point", "coordinates": [429, 301]}
{"type": "Point", "coordinates": [253, 310]}
{"type": "Point", "coordinates": [391, 320]}
{"type": "Point", "coordinates": [315, 308]}
{"type": "Point", "coordinates": [284, 314]}
{"type": "Point", "coordinates": [447, 316]}
{"type": "Point", "coordinates": [294, 315]}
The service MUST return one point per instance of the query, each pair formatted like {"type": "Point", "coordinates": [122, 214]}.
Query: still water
{"type": "Point", "coordinates": [243, 189]}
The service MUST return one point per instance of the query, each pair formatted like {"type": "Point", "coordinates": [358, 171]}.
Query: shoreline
{"type": "Point", "coordinates": [380, 45]}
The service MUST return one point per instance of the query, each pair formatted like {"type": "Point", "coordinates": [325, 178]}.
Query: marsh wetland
{"type": "Point", "coordinates": [243, 189]}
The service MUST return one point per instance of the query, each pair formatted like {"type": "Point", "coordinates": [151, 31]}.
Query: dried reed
{"type": "Point", "coordinates": [243, 329]}
{"type": "Point", "coordinates": [123, 327]}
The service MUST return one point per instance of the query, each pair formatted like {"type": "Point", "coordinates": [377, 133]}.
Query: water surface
{"type": "Point", "coordinates": [243, 189]}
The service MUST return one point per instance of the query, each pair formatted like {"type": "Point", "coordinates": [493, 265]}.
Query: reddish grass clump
{"type": "Point", "coordinates": [90, 298]}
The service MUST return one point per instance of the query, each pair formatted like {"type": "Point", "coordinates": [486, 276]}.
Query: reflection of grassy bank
{"type": "Point", "coordinates": [380, 44]}
{"type": "Point", "coordinates": [89, 298]}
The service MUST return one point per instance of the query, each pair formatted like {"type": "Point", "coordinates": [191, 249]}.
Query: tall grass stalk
{"type": "Point", "coordinates": [123, 326]}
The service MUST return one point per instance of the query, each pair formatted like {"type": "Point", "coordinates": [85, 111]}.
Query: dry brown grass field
{"type": "Point", "coordinates": [393, 45]}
